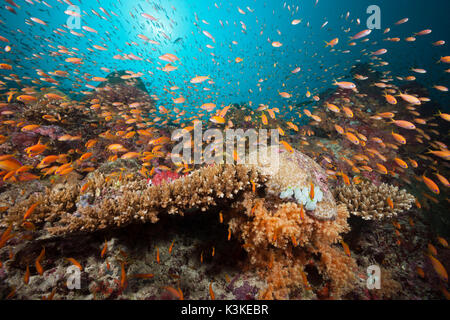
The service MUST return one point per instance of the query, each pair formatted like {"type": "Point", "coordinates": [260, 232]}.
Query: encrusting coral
{"type": "Point", "coordinates": [371, 202]}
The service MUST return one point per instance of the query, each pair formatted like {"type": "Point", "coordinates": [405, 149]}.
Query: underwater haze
{"type": "Point", "coordinates": [178, 27]}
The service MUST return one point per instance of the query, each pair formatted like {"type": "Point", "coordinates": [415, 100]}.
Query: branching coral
{"type": "Point", "coordinates": [119, 200]}
{"type": "Point", "coordinates": [372, 202]}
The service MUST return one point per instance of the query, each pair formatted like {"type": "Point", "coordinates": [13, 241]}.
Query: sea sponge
{"type": "Point", "coordinates": [370, 202]}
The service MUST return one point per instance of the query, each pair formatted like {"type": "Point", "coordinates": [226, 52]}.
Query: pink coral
{"type": "Point", "coordinates": [162, 176]}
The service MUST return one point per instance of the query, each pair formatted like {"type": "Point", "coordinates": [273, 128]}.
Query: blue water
{"type": "Point", "coordinates": [179, 30]}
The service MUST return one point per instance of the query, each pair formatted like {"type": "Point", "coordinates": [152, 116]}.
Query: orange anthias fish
{"type": "Point", "coordinates": [351, 137]}
{"type": "Point", "coordinates": [30, 211]}
{"type": "Point", "coordinates": [287, 146]}
{"type": "Point", "coordinates": [332, 43]}
{"type": "Point", "coordinates": [311, 192]}
{"type": "Point", "coordinates": [10, 164]}
{"type": "Point", "coordinates": [211, 292]}
{"type": "Point", "coordinates": [217, 119]}
{"type": "Point", "coordinates": [26, 277]}
{"type": "Point", "coordinates": [346, 248]}
{"type": "Point", "coordinates": [84, 187]}
{"type": "Point", "coordinates": [431, 185]}
{"type": "Point", "coordinates": [176, 292]}
{"type": "Point", "coordinates": [253, 186]}
{"type": "Point", "coordinates": [123, 277]}
{"type": "Point", "coordinates": [39, 268]}
{"type": "Point", "coordinates": [442, 241]}
{"type": "Point", "coordinates": [171, 246]}
{"type": "Point", "coordinates": [390, 203]}
{"type": "Point", "coordinates": [105, 248]}
{"type": "Point", "coordinates": [345, 178]}
{"type": "Point", "coordinates": [439, 268]}
{"type": "Point", "coordinates": [75, 263]}
{"type": "Point", "coordinates": [157, 255]}
{"type": "Point", "coordinates": [305, 280]}
{"type": "Point", "coordinates": [143, 275]}
{"type": "Point", "coordinates": [35, 149]}
{"type": "Point", "coordinates": [6, 236]}
{"type": "Point", "coordinates": [420, 272]}
{"type": "Point", "coordinates": [431, 249]}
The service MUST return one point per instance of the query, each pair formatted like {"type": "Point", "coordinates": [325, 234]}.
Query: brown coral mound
{"type": "Point", "coordinates": [370, 202]}
{"type": "Point", "coordinates": [280, 242]}
{"type": "Point", "coordinates": [296, 170]}
{"type": "Point", "coordinates": [119, 200]}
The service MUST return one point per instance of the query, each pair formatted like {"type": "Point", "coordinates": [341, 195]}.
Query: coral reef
{"type": "Point", "coordinates": [371, 202]}
{"type": "Point", "coordinates": [124, 78]}
{"type": "Point", "coordinates": [291, 249]}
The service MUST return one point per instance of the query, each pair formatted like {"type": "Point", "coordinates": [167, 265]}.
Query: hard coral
{"type": "Point", "coordinates": [370, 202]}
{"type": "Point", "coordinates": [116, 201]}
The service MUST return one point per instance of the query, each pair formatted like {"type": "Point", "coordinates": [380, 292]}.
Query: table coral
{"type": "Point", "coordinates": [121, 200]}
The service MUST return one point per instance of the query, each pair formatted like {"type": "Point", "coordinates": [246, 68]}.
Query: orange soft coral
{"type": "Point", "coordinates": [280, 242]}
